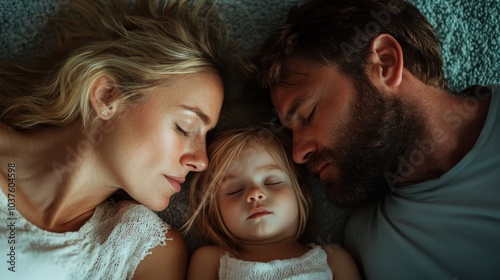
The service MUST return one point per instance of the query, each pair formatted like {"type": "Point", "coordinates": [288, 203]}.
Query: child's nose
{"type": "Point", "coordinates": [255, 194]}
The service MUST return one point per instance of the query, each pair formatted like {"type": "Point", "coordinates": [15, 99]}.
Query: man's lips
{"type": "Point", "coordinates": [321, 169]}
{"type": "Point", "coordinates": [175, 182]}
{"type": "Point", "coordinates": [258, 212]}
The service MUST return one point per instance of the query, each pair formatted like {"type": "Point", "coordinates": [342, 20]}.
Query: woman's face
{"type": "Point", "coordinates": [156, 143]}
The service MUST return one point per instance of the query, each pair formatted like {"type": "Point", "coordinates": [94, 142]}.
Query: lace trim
{"type": "Point", "coordinates": [110, 245]}
{"type": "Point", "coordinates": [128, 240]}
{"type": "Point", "coordinates": [311, 265]}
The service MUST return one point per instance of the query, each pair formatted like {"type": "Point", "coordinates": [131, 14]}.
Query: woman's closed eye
{"type": "Point", "coordinates": [181, 131]}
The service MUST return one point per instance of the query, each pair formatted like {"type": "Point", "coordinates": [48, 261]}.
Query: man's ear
{"type": "Point", "coordinates": [385, 62]}
{"type": "Point", "coordinates": [102, 95]}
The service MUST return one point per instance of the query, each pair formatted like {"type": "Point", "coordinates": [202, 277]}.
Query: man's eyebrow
{"type": "Point", "coordinates": [199, 113]}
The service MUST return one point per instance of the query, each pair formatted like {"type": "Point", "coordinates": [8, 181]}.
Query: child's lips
{"type": "Point", "coordinates": [258, 212]}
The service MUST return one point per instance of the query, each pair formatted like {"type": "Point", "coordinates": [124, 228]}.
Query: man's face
{"type": "Point", "coordinates": [348, 133]}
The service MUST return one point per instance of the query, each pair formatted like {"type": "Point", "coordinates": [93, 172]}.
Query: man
{"type": "Point", "coordinates": [361, 86]}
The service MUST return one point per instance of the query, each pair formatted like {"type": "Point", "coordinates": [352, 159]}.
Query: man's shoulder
{"type": "Point", "coordinates": [358, 225]}
{"type": "Point", "coordinates": [360, 215]}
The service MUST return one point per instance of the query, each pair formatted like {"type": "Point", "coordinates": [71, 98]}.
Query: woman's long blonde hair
{"type": "Point", "coordinates": [137, 46]}
{"type": "Point", "coordinates": [205, 185]}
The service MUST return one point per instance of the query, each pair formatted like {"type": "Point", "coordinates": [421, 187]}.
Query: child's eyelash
{"type": "Point", "coordinates": [235, 192]}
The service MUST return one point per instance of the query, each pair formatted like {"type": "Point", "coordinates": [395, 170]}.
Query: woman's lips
{"type": "Point", "coordinates": [175, 183]}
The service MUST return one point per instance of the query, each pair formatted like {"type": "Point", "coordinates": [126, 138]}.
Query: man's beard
{"type": "Point", "coordinates": [378, 131]}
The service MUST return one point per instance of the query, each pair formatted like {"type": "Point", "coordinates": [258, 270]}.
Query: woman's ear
{"type": "Point", "coordinates": [385, 62]}
{"type": "Point", "coordinates": [102, 95]}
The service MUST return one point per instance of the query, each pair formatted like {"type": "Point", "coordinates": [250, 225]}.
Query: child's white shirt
{"type": "Point", "coordinates": [311, 265]}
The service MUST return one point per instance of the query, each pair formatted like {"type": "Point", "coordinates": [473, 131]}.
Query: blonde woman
{"type": "Point", "coordinates": [122, 103]}
{"type": "Point", "coordinates": [251, 206]}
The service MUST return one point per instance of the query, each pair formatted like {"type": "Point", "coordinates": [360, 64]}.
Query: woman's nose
{"type": "Point", "coordinates": [196, 158]}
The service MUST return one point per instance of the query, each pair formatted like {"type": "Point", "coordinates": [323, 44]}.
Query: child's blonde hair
{"type": "Point", "coordinates": [205, 185]}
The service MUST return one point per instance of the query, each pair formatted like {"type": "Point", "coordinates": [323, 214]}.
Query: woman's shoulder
{"type": "Point", "coordinates": [157, 248]}
{"type": "Point", "coordinates": [129, 222]}
{"type": "Point", "coordinates": [171, 260]}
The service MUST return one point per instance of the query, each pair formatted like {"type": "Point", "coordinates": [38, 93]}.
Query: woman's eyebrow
{"type": "Point", "coordinates": [199, 113]}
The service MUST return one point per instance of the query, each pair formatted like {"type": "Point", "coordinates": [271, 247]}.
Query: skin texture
{"type": "Point", "coordinates": [146, 150]}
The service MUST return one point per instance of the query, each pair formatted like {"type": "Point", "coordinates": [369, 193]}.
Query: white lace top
{"type": "Point", "coordinates": [109, 245]}
{"type": "Point", "coordinates": [312, 265]}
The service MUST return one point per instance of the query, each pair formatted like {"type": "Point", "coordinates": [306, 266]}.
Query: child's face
{"type": "Point", "coordinates": [256, 198]}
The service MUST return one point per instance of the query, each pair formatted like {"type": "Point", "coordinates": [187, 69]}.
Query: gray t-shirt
{"type": "Point", "coordinates": [446, 228]}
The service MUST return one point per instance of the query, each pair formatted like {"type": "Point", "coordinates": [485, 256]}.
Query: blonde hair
{"type": "Point", "coordinates": [205, 185]}
{"type": "Point", "coordinates": [136, 46]}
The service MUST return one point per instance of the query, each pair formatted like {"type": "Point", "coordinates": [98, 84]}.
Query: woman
{"type": "Point", "coordinates": [122, 103]}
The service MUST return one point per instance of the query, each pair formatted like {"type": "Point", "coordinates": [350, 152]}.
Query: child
{"type": "Point", "coordinates": [250, 204]}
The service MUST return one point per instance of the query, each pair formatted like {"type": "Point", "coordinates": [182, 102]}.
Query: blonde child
{"type": "Point", "coordinates": [250, 204]}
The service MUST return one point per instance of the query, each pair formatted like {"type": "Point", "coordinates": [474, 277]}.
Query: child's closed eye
{"type": "Point", "coordinates": [273, 180]}
{"type": "Point", "coordinates": [273, 183]}
{"type": "Point", "coordinates": [234, 191]}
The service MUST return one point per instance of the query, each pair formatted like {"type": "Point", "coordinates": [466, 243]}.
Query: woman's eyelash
{"type": "Point", "coordinates": [180, 130]}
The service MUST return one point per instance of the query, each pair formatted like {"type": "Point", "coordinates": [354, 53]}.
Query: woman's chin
{"type": "Point", "coordinates": [158, 204]}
